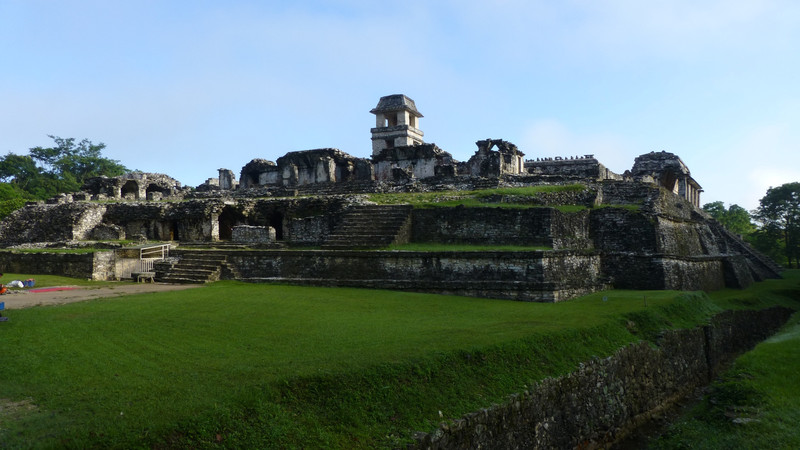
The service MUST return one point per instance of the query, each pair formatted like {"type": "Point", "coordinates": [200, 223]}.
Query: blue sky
{"type": "Point", "coordinates": [188, 87]}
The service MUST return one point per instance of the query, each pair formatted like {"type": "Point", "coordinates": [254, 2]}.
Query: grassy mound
{"type": "Point", "coordinates": [269, 366]}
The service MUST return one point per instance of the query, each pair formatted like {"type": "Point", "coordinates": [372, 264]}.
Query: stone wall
{"type": "Point", "coordinates": [248, 234]}
{"type": "Point", "coordinates": [418, 161]}
{"type": "Point", "coordinates": [51, 222]}
{"type": "Point", "coordinates": [621, 230]}
{"type": "Point", "coordinates": [586, 167]}
{"type": "Point", "coordinates": [679, 238]}
{"type": "Point", "coordinates": [95, 266]}
{"type": "Point", "coordinates": [529, 276]}
{"type": "Point", "coordinates": [483, 226]}
{"type": "Point", "coordinates": [643, 272]}
{"type": "Point", "coordinates": [603, 400]}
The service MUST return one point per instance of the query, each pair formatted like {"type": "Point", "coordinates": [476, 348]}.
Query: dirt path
{"type": "Point", "coordinates": [19, 298]}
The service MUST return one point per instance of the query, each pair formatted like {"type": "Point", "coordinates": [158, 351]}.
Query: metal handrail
{"type": "Point", "coordinates": [160, 251]}
{"type": "Point", "coordinates": [147, 257]}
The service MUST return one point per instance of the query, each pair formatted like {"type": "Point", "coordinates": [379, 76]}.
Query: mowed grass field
{"type": "Point", "coordinates": [268, 366]}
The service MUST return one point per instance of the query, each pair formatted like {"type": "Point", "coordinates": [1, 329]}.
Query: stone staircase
{"type": "Point", "coordinates": [762, 266]}
{"type": "Point", "coordinates": [371, 226]}
{"type": "Point", "coordinates": [193, 267]}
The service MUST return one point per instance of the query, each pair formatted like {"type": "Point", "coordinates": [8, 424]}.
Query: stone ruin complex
{"type": "Point", "coordinates": [307, 218]}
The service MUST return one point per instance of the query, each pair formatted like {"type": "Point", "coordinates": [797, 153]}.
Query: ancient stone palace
{"type": "Point", "coordinates": [325, 217]}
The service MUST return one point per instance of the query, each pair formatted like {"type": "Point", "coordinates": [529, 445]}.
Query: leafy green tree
{"type": "Point", "coordinates": [47, 171]}
{"type": "Point", "coordinates": [735, 218]}
{"type": "Point", "coordinates": [779, 215]}
{"type": "Point", "coordinates": [19, 170]}
{"type": "Point", "coordinates": [12, 197]}
{"type": "Point", "coordinates": [76, 162]}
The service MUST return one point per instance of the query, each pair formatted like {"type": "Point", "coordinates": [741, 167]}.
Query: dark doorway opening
{"type": "Point", "coordinates": [228, 218]}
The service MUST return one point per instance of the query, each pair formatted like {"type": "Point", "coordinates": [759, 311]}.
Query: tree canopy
{"type": "Point", "coordinates": [735, 218]}
{"type": "Point", "coordinates": [48, 171]}
{"type": "Point", "coordinates": [779, 216]}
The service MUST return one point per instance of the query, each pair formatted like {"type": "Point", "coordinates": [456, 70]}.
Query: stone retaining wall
{"type": "Point", "coordinates": [94, 266]}
{"type": "Point", "coordinates": [536, 275]}
{"type": "Point", "coordinates": [605, 399]}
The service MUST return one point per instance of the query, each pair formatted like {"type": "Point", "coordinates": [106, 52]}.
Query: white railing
{"type": "Point", "coordinates": [145, 265]}
{"type": "Point", "coordinates": [147, 257]}
{"type": "Point", "coordinates": [154, 252]}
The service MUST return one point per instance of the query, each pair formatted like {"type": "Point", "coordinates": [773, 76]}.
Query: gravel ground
{"type": "Point", "coordinates": [21, 298]}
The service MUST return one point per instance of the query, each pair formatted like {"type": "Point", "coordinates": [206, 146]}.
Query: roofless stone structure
{"type": "Point", "coordinates": [307, 218]}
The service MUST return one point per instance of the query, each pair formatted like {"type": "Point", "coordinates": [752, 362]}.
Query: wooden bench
{"type": "Point", "coordinates": [141, 277]}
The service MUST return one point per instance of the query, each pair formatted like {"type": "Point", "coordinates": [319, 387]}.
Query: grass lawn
{"type": "Point", "coordinates": [270, 366]}
{"type": "Point", "coordinates": [755, 404]}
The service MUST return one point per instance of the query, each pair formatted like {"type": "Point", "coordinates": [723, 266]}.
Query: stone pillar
{"type": "Point", "coordinates": [227, 180]}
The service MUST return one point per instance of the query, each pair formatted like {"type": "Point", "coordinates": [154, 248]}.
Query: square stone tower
{"type": "Point", "coordinates": [396, 118]}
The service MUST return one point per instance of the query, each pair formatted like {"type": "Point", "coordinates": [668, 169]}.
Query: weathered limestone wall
{"type": "Point", "coordinates": [531, 276]}
{"type": "Point", "coordinates": [309, 230]}
{"type": "Point", "coordinates": [678, 237]}
{"type": "Point", "coordinates": [419, 161]}
{"type": "Point", "coordinates": [621, 230]}
{"type": "Point", "coordinates": [693, 274]}
{"type": "Point", "coordinates": [483, 226]}
{"type": "Point", "coordinates": [51, 222]}
{"type": "Point", "coordinates": [570, 230]}
{"type": "Point", "coordinates": [625, 193]}
{"type": "Point", "coordinates": [253, 235]}
{"type": "Point", "coordinates": [584, 167]}
{"type": "Point", "coordinates": [642, 272]}
{"type": "Point", "coordinates": [95, 266]}
{"type": "Point", "coordinates": [604, 399]}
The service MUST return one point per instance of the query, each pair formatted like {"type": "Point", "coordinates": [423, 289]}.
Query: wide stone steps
{"type": "Point", "coordinates": [370, 226]}
{"type": "Point", "coordinates": [192, 267]}
{"type": "Point", "coordinates": [762, 266]}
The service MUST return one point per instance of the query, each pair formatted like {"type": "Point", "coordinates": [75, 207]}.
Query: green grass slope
{"type": "Point", "coordinates": [754, 405]}
{"type": "Point", "coordinates": [269, 366]}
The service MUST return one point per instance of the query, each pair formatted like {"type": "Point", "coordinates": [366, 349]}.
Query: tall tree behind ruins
{"type": "Point", "coordinates": [47, 171]}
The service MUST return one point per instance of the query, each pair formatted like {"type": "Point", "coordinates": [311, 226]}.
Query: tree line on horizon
{"type": "Point", "coordinates": [773, 228]}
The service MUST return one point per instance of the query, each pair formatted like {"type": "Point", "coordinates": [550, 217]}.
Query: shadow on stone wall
{"type": "Point", "coordinates": [604, 400]}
